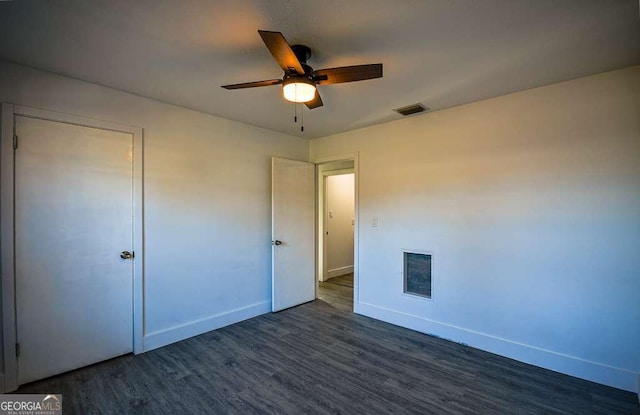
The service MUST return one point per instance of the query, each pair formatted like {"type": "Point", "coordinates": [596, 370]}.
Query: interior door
{"type": "Point", "coordinates": [293, 238]}
{"type": "Point", "coordinates": [73, 218]}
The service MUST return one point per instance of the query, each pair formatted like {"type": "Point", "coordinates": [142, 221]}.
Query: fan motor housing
{"type": "Point", "coordinates": [302, 52]}
{"type": "Point", "coordinates": [308, 73]}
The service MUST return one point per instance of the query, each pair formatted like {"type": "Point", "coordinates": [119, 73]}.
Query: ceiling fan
{"type": "Point", "coordinates": [300, 81]}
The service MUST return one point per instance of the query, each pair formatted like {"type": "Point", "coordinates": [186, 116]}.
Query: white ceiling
{"type": "Point", "coordinates": [440, 53]}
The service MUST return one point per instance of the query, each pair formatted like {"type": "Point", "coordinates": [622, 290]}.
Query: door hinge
{"type": "Point", "coordinates": [15, 142]}
{"type": "Point", "coordinates": [17, 349]}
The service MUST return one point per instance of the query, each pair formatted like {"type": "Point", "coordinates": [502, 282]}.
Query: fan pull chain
{"type": "Point", "coordinates": [295, 115]}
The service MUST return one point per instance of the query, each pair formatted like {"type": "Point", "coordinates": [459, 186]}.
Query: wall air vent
{"type": "Point", "coordinates": [411, 109]}
{"type": "Point", "coordinates": [417, 273]}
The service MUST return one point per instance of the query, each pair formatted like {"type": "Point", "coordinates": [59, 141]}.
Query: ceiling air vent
{"type": "Point", "coordinates": [411, 109]}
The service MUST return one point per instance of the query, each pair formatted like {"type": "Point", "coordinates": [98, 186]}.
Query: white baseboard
{"type": "Point", "coordinates": [569, 365]}
{"type": "Point", "coordinates": [336, 272]}
{"type": "Point", "coordinates": [174, 334]}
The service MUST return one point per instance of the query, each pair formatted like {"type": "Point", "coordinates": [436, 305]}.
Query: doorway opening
{"type": "Point", "coordinates": [336, 233]}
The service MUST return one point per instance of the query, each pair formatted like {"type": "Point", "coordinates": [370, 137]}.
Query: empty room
{"type": "Point", "coordinates": [334, 207]}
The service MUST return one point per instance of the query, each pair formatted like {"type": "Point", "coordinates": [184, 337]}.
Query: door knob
{"type": "Point", "coordinates": [126, 255]}
{"type": "Point", "coordinates": [277, 242]}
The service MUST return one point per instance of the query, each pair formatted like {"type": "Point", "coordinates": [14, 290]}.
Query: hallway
{"type": "Point", "coordinates": [338, 292]}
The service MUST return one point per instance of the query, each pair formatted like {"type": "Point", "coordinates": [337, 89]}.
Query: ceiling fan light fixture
{"type": "Point", "coordinates": [299, 89]}
{"type": "Point", "coordinates": [300, 80]}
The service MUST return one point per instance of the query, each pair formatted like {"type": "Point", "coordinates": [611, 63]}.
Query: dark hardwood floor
{"type": "Point", "coordinates": [320, 358]}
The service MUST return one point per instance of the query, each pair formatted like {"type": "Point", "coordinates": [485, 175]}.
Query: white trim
{"type": "Point", "coordinates": [336, 272]}
{"type": "Point", "coordinates": [194, 328]}
{"type": "Point", "coordinates": [7, 232]}
{"type": "Point", "coordinates": [74, 119]}
{"type": "Point", "coordinates": [340, 157]}
{"type": "Point", "coordinates": [321, 216]}
{"type": "Point", "coordinates": [356, 234]}
{"type": "Point", "coordinates": [569, 365]}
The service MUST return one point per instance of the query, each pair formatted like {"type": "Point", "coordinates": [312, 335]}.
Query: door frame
{"type": "Point", "coordinates": [9, 382]}
{"type": "Point", "coordinates": [320, 200]}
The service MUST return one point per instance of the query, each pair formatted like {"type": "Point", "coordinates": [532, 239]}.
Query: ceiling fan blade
{"type": "Point", "coordinates": [315, 102]}
{"type": "Point", "coordinates": [253, 84]}
{"type": "Point", "coordinates": [281, 51]}
{"type": "Point", "coordinates": [348, 74]}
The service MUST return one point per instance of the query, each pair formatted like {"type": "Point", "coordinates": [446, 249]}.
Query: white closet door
{"type": "Point", "coordinates": [74, 217]}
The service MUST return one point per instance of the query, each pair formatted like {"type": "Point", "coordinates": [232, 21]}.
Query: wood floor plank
{"type": "Point", "coordinates": [320, 358]}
